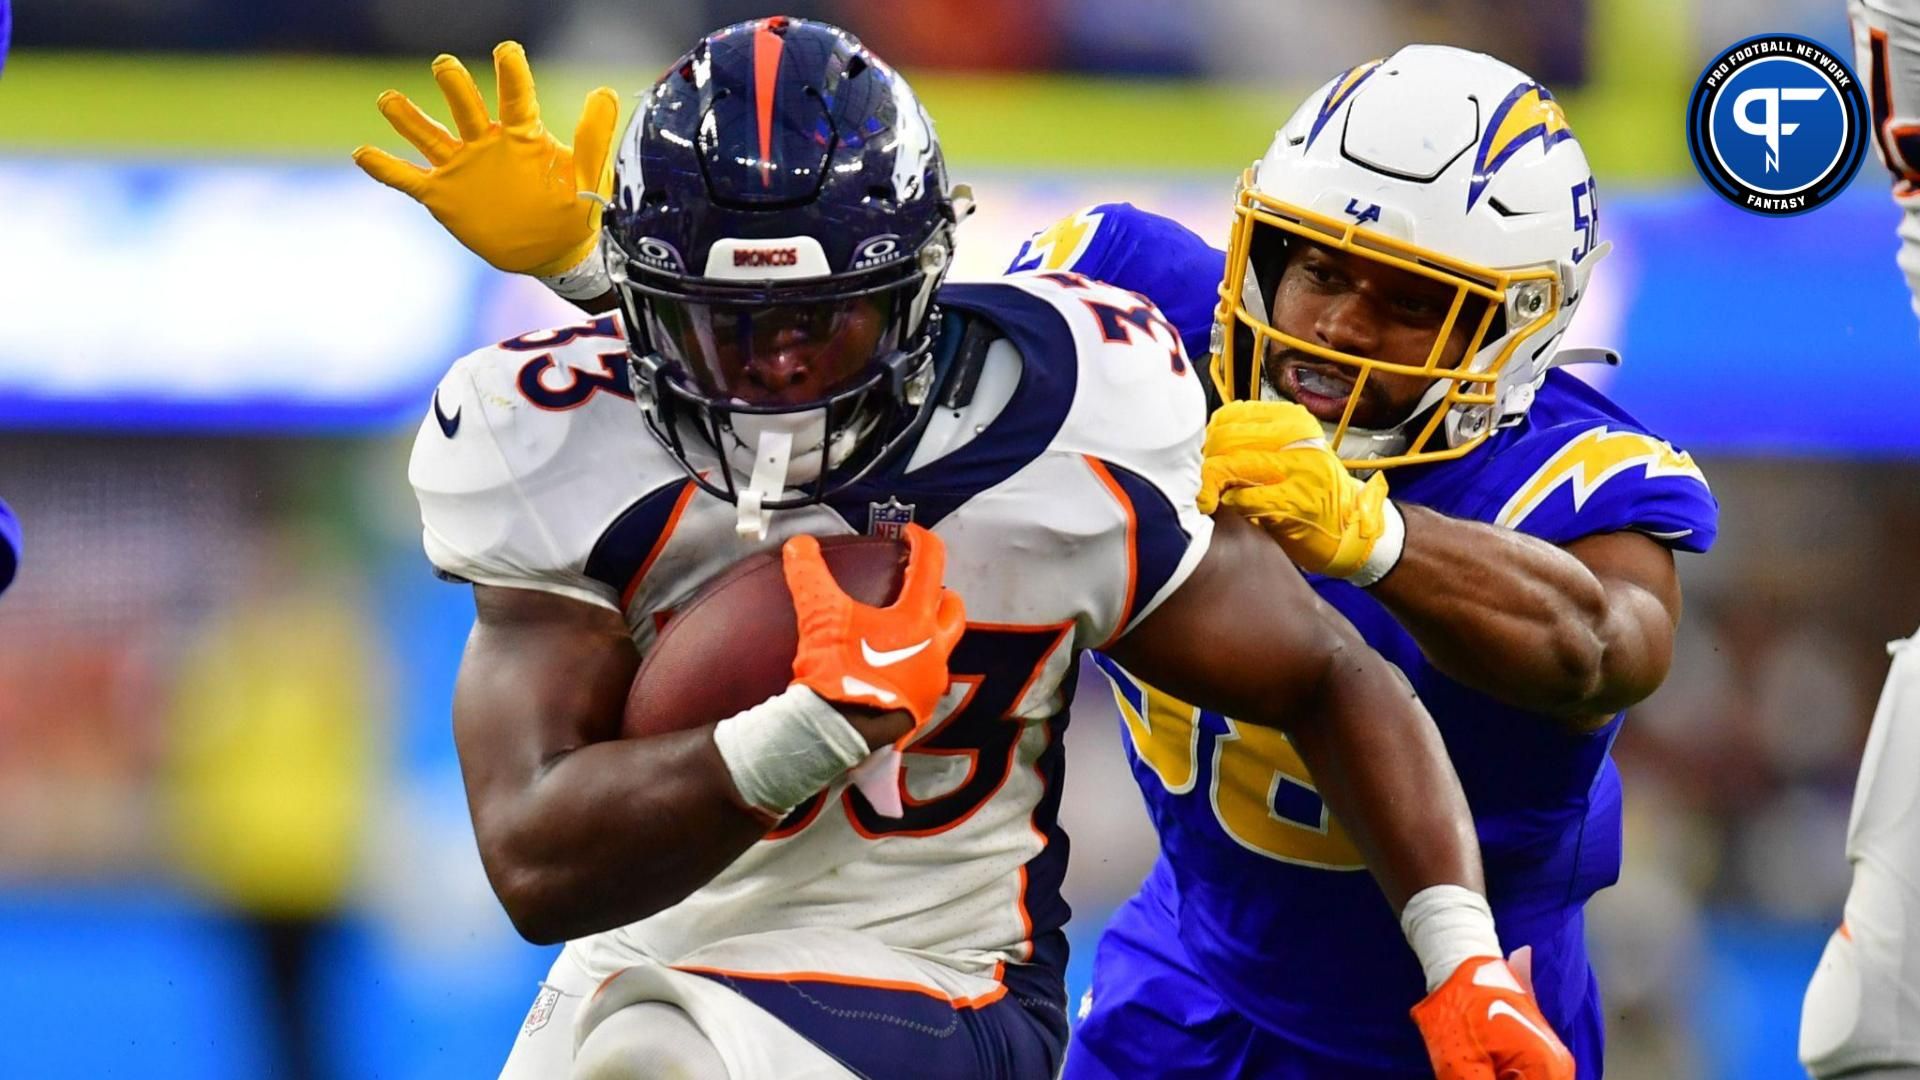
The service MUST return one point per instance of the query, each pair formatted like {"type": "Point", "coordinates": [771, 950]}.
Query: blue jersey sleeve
{"type": "Point", "coordinates": [9, 546]}
{"type": "Point", "coordinates": [1578, 479]}
{"type": "Point", "coordinates": [1141, 252]}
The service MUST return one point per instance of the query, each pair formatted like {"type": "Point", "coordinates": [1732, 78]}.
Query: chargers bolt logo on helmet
{"type": "Point", "coordinates": [1777, 124]}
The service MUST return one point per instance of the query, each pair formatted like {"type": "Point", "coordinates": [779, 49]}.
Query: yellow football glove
{"type": "Point", "coordinates": [507, 189]}
{"type": "Point", "coordinates": [1268, 462]}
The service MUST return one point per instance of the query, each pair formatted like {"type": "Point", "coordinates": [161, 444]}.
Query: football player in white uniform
{"type": "Point", "coordinates": [1861, 1017]}
{"type": "Point", "coordinates": [785, 362]}
{"type": "Point", "coordinates": [1886, 50]}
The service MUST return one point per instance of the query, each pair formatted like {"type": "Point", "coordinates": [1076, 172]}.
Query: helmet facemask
{"type": "Point", "coordinates": [842, 367]}
{"type": "Point", "coordinates": [1500, 310]}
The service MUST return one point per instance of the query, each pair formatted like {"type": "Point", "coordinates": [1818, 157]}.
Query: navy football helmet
{"type": "Point", "coordinates": [779, 222]}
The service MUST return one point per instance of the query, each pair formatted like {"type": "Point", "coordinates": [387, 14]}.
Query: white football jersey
{"type": "Point", "coordinates": [1064, 491]}
{"type": "Point", "coordinates": [1886, 49]}
{"type": "Point", "coordinates": [1862, 1008]}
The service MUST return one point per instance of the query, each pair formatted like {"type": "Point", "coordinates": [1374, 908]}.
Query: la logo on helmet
{"type": "Point", "coordinates": [1777, 124]}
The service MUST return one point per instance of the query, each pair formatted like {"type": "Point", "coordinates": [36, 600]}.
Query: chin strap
{"type": "Point", "coordinates": [1565, 357]}
{"type": "Point", "coordinates": [769, 478]}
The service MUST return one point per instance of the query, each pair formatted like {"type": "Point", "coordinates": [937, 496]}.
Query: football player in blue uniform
{"type": "Point", "coordinates": [9, 546]}
{"type": "Point", "coordinates": [1403, 265]}
{"type": "Point", "coordinates": [786, 362]}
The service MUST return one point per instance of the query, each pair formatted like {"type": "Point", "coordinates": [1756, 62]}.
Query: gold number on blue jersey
{"type": "Point", "coordinates": [1266, 801]}
{"type": "Point", "coordinates": [1164, 732]}
{"type": "Point", "coordinates": [1260, 790]}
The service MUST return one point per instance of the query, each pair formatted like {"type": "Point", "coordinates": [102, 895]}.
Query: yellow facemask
{"type": "Point", "coordinates": [1243, 334]}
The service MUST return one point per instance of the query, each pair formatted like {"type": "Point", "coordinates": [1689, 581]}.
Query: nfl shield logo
{"type": "Point", "coordinates": [889, 519]}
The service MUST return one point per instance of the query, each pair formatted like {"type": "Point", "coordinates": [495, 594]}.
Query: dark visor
{"type": "Point", "coordinates": [786, 354]}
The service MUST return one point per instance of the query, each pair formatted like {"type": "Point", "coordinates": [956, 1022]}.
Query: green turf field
{"type": "Point", "coordinates": [322, 108]}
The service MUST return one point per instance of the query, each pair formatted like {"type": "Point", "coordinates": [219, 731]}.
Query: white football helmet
{"type": "Point", "coordinates": [1446, 163]}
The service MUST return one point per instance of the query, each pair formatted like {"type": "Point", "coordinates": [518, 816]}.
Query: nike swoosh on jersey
{"type": "Point", "coordinates": [1501, 1008]}
{"type": "Point", "coordinates": [888, 657]}
{"type": "Point", "coordinates": [448, 424]}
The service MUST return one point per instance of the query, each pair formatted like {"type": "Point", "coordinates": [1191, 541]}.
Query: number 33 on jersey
{"type": "Point", "coordinates": [1060, 471]}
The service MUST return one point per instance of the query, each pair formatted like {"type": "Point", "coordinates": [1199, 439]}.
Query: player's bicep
{"type": "Point", "coordinates": [542, 675]}
{"type": "Point", "coordinates": [1243, 631]}
{"type": "Point", "coordinates": [1643, 609]}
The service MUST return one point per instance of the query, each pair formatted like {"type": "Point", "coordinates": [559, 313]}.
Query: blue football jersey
{"type": "Point", "coordinates": [9, 546]}
{"type": "Point", "coordinates": [1141, 252]}
{"type": "Point", "coordinates": [1273, 904]}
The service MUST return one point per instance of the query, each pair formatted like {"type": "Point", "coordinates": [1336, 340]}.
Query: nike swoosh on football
{"type": "Point", "coordinates": [1501, 1008]}
{"type": "Point", "coordinates": [448, 424]}
{"type": "Point", "coordinates": [889, 657]}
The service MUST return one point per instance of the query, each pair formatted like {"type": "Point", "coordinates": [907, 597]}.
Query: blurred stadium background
{"type": "Point", "coordinates": [232, 836]}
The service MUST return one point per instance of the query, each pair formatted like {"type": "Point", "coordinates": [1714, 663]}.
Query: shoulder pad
{"type": "Point", "coordinates": [1075, 242]}
{"type": "Point", "coordinates": [1574, 480]}
{"type": "Point", "coordinates": [1141, 252]}
{"type": "Point", "coordinates": [529, 450]}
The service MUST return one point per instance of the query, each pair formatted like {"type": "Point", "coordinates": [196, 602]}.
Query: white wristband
{"type": "Point", "coordinates": [1386, 551]}
{"type": "Point", "coordinates": [1447, 925]}
{"type": "Point", "coordinates": [786, 748]}
{"type": "Point", "coordinates": [585, 281]}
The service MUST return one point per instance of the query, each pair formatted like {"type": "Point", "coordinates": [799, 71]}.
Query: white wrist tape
{"type": "Point", "coordinates": [1447, 925]}
{"type": "Point", "coordinates": [585, 281]}
{"type": "Point", "coordinates": [786, 748]}
{"type": "Point", "coordinates": [1386, 551]}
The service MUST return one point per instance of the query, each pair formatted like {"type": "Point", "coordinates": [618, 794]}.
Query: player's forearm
{"type": "Point", "coordinates": [1507, 614]}
{"type": "Point", "coordinates": [612, 832]}
{"type": "Point", "coordinates": [597, 305]}
{"type": "Point", "coordinates": [1378, 761]}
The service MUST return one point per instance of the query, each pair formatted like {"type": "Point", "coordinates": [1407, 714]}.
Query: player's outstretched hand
{"type": "Point", "coordinates": [1268, 461]}
{"type": "Point", "coordinates": [507, 189]}
{"type": "Point", "coordinates": [1483, 1024]}
{"type": "Point", "coordinates": [893, 657]}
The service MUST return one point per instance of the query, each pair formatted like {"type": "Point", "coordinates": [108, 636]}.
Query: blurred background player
{"type": "Point", "coordinates": [779, 224]}
{"type": "Point", "coordinates": [1403, 266]}
{"type": "Point", "coordinates": [270, 771]}
{"type": "Point", "coordinates": [1861, 1017]}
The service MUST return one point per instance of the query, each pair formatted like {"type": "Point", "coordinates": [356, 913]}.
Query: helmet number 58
{"type": "Point", "coordinates": [1586, 220]}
